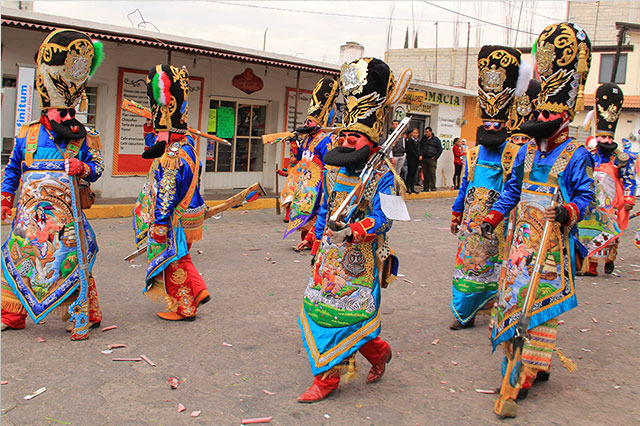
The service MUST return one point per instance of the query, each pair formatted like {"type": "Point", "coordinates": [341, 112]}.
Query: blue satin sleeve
{"type": "Point", "coordinates": [149, 139]}
{"type": "Point", "coordinates": [628, 176]}
{"type": "Point", "coordinates": [92, 158]}
{"type": "Point", "coordinates": [321, 219]}
{"type": "Point", "coordinates": [171, 189]}
{"type": "Point", "coordinates": [381, 223]}
{"type": "Point", "coordinates": [322, 147]}
{"type": "Point", "coordinates": [13, 170]}
{"type": "Point", "coordinates": [577, 181]}
{"type": "Point", "coordinates": [510, 195]}
{"type": "Point", "coordinates": [458, 204]}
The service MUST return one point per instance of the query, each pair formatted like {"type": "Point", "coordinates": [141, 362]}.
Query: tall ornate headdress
{"type": "Point", "coordinates": [168, 92]}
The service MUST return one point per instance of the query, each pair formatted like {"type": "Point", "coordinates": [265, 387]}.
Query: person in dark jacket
{"type": "Point", "coordinates": [430, 150]}
{"type": "Point", "coordinates": [413, 158]}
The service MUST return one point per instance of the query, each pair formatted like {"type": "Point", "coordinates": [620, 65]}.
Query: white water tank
{"type": "Point", "coordinates": [350, 51]}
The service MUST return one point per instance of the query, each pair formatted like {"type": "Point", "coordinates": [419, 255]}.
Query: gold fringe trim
{"type": "Point", "coordinates": [157, 294]}
{"type": "Point", "coordinates": [169, 162]}
{"type": "Point", "coordinates": [93, 141]}
{"type": "Point", "coordinates": [571, 366]}
{"type": "Point", "coordinates": [347, 371]}
{"type": "Point", "coordinates": [401, 188]}
{"type": "Point", "coordinates": [580, 99]}
{"type": "Point", "coordinates": [193, 235]}
{"type": "Point", "coordinates": [84, 103]}
{"type": "Point", "coordinates": [12, 306]}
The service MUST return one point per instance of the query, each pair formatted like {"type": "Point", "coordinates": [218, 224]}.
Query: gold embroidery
{"type": "Point", "coordinates": [179, 276]}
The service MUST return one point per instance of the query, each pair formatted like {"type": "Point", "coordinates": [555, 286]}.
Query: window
{"type": "Point", "coordinates": [243, 125]}
{"type": "Point", "coordinates": [9, 102]}
{"type": "Point", "coordinates": [88, 118]}
{"type": "Point", "coordinates": [606, 67]}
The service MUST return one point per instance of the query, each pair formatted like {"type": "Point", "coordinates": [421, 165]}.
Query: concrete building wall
{"type": "Point", "coordinates": [605, 14]}
{"type": "Point", "coordinates": [19, 46]}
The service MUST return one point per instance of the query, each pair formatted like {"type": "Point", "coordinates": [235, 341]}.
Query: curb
{"type": "Point", "coordinates": [110, 211]}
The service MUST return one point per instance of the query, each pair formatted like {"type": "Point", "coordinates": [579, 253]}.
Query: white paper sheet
{"type": "Point", "coordinates": [394, 207]}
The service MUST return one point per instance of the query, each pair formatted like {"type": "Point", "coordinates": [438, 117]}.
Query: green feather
{"type": "Point", "coordinates": [98, 56]}
{"type": "Point", "coordinates": [156, 87]}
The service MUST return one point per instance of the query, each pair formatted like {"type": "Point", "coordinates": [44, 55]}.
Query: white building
{"type": "Point", "coordinates": [236, 93]}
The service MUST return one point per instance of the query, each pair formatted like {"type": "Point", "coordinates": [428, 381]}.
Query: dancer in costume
{"type": "Point", "coordinates": [524, 107]}
{"type": "Point", "coordinates": [169, 213]}
{"type": "Point", "coordinates": [303, 190]}
{"type": "Point", "coordinates": [488, 166]}
{"type": "Point", "coordinates": [40, 267]}
{"type": "Point", "coordinates": [550, 161]}
{"type": "Point", "coordinates": [340, 314]}
{"type": "Point", "coordinates": [616, 186]}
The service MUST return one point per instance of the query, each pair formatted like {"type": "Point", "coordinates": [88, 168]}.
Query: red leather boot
{"type": "Point", "coordinates": [378, 353]}
{"type": "Point", "coordinates": [321, 388]}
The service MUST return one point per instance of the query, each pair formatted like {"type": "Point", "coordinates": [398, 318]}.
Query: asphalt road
{"type": "Point", "coordinates": [255, 303]}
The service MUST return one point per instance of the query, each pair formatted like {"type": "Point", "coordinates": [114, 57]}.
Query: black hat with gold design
{"type": "Point", "coordinates": [168, 92]}
{"type": "Point", "coordinates": [525, 105]}
{"type": "Point", "coordinates": [65, 61]}
{"type": "Point", "coordinates": [323, 99]}
{"type": "Point", "coordinates": [563, 55]}
{"type": "Point", "coordinates": [498, 72]}
{"type": "Point", "coordinates": [609, 99]}
{"type": "Point", "coordinates": [366, 84]}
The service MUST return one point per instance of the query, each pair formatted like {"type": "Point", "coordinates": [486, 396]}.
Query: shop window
{"type": "Point", "coordinates": [8, 85]}
{"type": "Point", "coordinates": [241, 124]}
{"type": "Point", "coordinates": [88, 118]}
{"type": "Point", "coordinates": [606, 67]}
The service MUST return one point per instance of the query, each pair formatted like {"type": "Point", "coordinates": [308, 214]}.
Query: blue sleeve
{"type": "Point", "coordinates": [149, 139]}
{"type": "Point", "coordinates": [578, 180]}
{"type": "Point", "coordinates": [628, 177]}
{"type": "Point", "coordinates": [321, 218]}
{"type": "Point", "coordinates": [173, 184]}
{"type": "Point", "coordinates": [93, 158]}
{"type": "Point", "coordinates": [323, 146]}
{"type": "Point", "coordinates": [458, 204]}
{"type": "Point", "coordinates": [510, 195]}
{"type": "Point", "coordinates": [13, 170]}
{"type": "Point", "coordinates": [382, 223]}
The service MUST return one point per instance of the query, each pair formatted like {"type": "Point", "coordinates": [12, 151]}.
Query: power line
{"type": "Point", "coordinates": [478, 19]}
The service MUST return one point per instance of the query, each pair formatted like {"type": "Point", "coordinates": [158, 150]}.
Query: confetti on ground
{"type": "Point", "coordinates": [594, 320]}
{"type": "Point", "coordinates": [297, 261]}
{"type": "Point", "coordinates": [490, 391]}
{"type": "Point", "coordinates": [200, 252]}
{"type": "Point", "coordinates": [174, 382]}
{"type": "Point", "coordinates": [262, 420]}
{"type": "Point", "coordinates": [181, 408]}
{"type": "Point", "coordinates": [454, 363]}
{"type": "Point", "coordinates": [229, 345]}
{"type": "Point", "coordinates": [326, 416]}
{"type": "Point", "coordinates": [57, 421]}
{"type": "Point", "coordinates": [127, 359]}
{"type": "Point", "coordinates": [617, 387]}
{"type": "Point", "coordinates": [4, 382]}
{"type": "Point", "coordinates": [407, 281]}
{"type": "Point", "coordinates": [435, 342]}
{"type": "Point", "coordinates": [268, 259]}
{"type": "Point", "coordinates": [107, 351]}
{"type": "Point", "coordinates": [111, 327]}
{"type": "Point", "coordinates": [41, 340]}
{"type": "Point", "coordinates": [442, 382]}
{"type": "Point", "coordinates": [147, 360]}
{"type": "Point", "coordinates": [36, 393]}
{"type": "Point", "coordinates": [268, 392]}
{"type": "Point", "coordinates": [116, 346]}
{"type": "Point", "coordinates": [254, 249]}
{"type": "Point", "coordinates": [195, 413]}
{"type": "Point", "coordinates": [586, 350]}
{"type": "Point", "coordinates": [584, 330]}
{"type": "Point", "coordinates": [560, 322]}
{"type": "Point", "coordinates": [452, 390]}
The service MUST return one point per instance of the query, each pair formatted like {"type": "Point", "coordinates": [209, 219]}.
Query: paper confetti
{"type": "Point", "coordinates": [262, 420]}
{"type": "Point", "coordinates": [111, 327]}
{"type": "Point", "coordinates": [195, 413]}
{"type": "Point", "coordinates": [268, 392]}
{"type": "Point", "coordinates": [41, 340]}
{"type": "Point", "coordinates": [229, 345]}
{"type": "Point", "coordinates": [147, 360]}
{"type": "Point", "coordinates": [36, 393]}
{"type": "Point", "coordinates": [181, 408]}
{"type": "Point", "coordinates": [127, 359]}
{"type": "Point", "coordinates": [490, 391]}
{"type": "Point", "coordinates": [435, 342]}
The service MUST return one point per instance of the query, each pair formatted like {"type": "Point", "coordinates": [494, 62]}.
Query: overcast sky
{"type": "Point", "coordinates": [316, 29]}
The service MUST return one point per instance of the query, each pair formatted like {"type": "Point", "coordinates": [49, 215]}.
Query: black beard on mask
{"type": "Point", "coordinates": [64, 133]}
{"type": "Point", "coordinates": [347, 157]}
{"type": "Point", "coordinates": [607, 148]}
{"type": "Point", "coordinates": [306, 129]}
{"type": "Point", "coordinates": [491, 139]}
{"type": "Point", "coordinates": [155, 151]}
{"type": "Point", "coordinates": [539, 130]}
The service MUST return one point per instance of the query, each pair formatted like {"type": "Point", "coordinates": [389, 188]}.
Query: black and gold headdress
{"type": "Point", "coordinates": [168, 92]}
{"type": "Point", "coordinates": [323, 99]}
{"type": "Point", "coordinates": [608, 105]}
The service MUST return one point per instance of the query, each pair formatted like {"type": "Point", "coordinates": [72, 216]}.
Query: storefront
{"type": "Point", "coordinates": [237, 94]}
{"type": "Point", "coordinates": [443, 109]}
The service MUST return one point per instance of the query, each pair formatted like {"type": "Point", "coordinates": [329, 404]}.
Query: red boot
{"type": "Point", "coordinates": [378, 353]}
{"type": "Point", "coordinates": [593, 270]}
{"type": "Point", "coordinates": [320, 389]}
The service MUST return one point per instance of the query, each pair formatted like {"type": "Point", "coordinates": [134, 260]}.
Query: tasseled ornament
{"type": "Point", "coordinates": [84, 103]}
{"type": "Point", "coordinates": [570, 365]}
{"type": "Point", "coordinates": [583, 67]}
{"type": "Point", "coordinates": [165, 117]}
{"type": "Point", "coordinates": [478, 109]}
{"type": "Point", "coordinates": [580, 98]}
{"type": "Point", "coordinates": [351, 371]}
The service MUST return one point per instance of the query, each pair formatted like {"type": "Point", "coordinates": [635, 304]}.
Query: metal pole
{"type": "Point", "coordinates": [616, 59]}
{"type": "Point", "coordinates": [277, 193]}
{"type": "Point", "coordinates": [436, 76]}
{"type": "Point", "coordinates": [295, 104]}
{"type": "Point", "coordinates": [466, 62]}
{"type": "Point", "coordinates": [169, 57]}
{"type": "Point", "coordinates": [595, 29]}
{"type": "Point", "coordinates": [264, 40]}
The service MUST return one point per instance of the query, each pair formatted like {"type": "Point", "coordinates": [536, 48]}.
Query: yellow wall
{"type": "Point", "coordinates": [468, 130]}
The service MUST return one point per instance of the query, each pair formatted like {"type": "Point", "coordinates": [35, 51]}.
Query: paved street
{"type": "Point", "coordinates": [255, 303]}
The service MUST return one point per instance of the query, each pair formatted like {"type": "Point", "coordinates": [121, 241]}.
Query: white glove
{"type": "Point", "coordinates": [340, 236]}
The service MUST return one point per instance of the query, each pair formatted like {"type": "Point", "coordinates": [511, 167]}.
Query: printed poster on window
{"type": "Point", "coordinates": [304, 98]}
{"type": "Point", "coordinates": [129, 134]}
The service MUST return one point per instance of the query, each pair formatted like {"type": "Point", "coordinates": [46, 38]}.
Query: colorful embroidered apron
{"type": "Point", "coordinates": [40, 259]}
{"type": "Point", "coordinates": [556, 293]}
{"type": "Point", "coordinates": [477, 269]}
{"type": "Point", "coordinates": [307, 191]}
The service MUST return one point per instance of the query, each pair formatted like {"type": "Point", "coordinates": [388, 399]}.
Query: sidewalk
{"type": "Point", "coordinates": [107, 208]}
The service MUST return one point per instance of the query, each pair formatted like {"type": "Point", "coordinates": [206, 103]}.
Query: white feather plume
{"type": "Point", "coordinates": [402, 84]}
{"type": "Point", "coordinates": [524, 76]}
{"type": "Point", "coordinates": [588, 118]}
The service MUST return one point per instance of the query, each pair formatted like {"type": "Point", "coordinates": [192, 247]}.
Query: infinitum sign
{"type": "Point", "coordinates": [24, 96]}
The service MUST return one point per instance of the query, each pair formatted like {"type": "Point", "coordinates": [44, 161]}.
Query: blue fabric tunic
{"type": "Point", "coordinates": [341, 304]}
